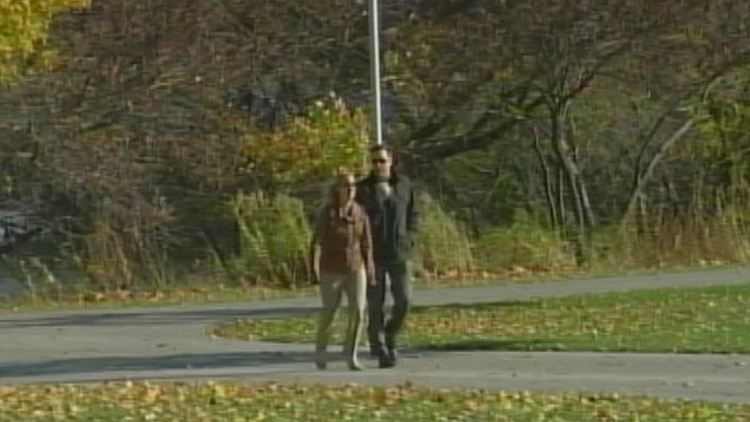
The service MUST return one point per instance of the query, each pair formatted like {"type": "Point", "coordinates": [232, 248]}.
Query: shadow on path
{"type": "Point", "coordinates": [153, 318]}
{"type": "Point", "coordinates": [494, 345]}
{"type": "Point", "coordinates": [152, 363]}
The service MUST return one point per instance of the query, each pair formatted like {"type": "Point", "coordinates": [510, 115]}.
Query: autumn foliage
{"type": "Point", "coordinates": [24, 33]}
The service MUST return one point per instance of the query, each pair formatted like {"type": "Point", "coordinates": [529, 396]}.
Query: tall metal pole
{"type": "Point", "coordinates": [377, 115]}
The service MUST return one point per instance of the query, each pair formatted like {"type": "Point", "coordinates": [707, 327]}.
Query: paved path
{"type": "Point", "coordinates": [169, 343]}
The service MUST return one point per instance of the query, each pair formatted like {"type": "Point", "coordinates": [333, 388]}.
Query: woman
{"type": "Point", "coordinates": [342, 263]}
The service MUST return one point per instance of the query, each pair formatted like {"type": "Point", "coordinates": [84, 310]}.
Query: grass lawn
{"type": "Point", "coordinates": [235, 402]}
{"type": "Point", "coordinates": [705, 320]}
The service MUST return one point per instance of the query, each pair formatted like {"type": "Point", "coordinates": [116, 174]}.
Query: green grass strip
{"type": "Point", "coordinates": [705, 320]}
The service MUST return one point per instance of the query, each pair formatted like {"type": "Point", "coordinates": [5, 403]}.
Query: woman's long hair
{"type": "Point", "coordinates": [340, 180]}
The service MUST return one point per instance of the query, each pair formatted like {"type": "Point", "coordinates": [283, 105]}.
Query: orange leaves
{"type": "Point", "coordinates": [226, 401]}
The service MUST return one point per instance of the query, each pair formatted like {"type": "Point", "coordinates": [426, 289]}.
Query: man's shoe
{"type": "Point", "coordinates": [390, 345]}
{"type": "Point", "coordinates": [320, 364]}
{"type": "Point", "coordinates": [355, 366]}
{"type": "Point", "coordinates": [392, 356]}
{"type": "Point", "coordinates": [385, 361]}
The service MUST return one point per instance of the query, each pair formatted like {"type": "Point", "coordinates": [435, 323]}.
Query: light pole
{"type": "Point", "coordinates": [377, 115]}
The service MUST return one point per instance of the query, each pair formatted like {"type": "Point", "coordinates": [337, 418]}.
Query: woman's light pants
{"type": "Point", "coordinates": [332, 288]}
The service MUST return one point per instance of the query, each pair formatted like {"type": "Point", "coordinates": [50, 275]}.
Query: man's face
{"type": "Point", "coordinates": [381, 162]}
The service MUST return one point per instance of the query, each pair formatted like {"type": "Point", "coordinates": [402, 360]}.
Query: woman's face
{"type": "Point", "coordinates": [346, 189]}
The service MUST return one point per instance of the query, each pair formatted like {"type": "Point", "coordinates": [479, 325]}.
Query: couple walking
{"type": "Point", "coordinates": [364, 233]}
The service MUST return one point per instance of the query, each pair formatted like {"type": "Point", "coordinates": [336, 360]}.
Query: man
{"type": "Point", "coordinates": [388, 198]}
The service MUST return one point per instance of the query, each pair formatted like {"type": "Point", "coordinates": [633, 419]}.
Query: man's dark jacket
{"type": "Point", "coordinates": [394, 222]}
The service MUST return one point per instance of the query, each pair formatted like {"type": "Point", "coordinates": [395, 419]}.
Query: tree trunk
{"type": "Point", "coordinates": [588, 212]}
{"type": "Point", "coordinates": [642, 179]}
{"type": "Point", "coordinates": [562, 209]}
{"type": "Point", "coordinates": [548, 187]}
{"type": "Point", "coordinates": [563, 151]}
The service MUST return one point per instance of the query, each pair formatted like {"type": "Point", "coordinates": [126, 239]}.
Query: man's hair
{"type": "Point", "coordinates": [381, 147]}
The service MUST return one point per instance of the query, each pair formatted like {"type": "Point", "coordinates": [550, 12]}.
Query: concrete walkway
{"type": "Point", "coordinates": [169, 343]}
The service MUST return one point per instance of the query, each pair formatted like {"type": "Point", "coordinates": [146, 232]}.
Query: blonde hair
{"type": "Point", "coordinates": [339, 180]}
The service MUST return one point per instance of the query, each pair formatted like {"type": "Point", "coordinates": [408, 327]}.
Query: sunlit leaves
{"type": "Point", "coordinates": [23, 31]}
{"type": "Point", "coordinates": [328, 138]}
{"type": "Point", "coordinates": [236, 402]}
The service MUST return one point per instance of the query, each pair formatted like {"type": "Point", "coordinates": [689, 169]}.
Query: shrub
{"type": "Point", "coordinates": [126, 246]}
{"type": "Point", "coordinates": [443, 247]}
{"type": "Point", "coordinates": [678, 241]}
{"type": "Point", "coordinates": [274, 240]}
{"type": "Point", "coordinates": [526, 243]}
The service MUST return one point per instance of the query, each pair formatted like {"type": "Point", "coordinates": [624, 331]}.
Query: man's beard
{"type": "Point", "coordinates": [382, 175]}
{"type": "Point", "coordinates": [384, 190]}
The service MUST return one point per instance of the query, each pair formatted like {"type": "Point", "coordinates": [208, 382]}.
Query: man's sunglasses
{"type": "Point", "coordinates": [379, 161]}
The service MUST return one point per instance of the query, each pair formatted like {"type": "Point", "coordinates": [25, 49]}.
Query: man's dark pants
{"type": "Point", "coordinates": [381, 332]}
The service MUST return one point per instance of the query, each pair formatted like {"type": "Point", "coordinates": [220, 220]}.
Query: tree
{"type": "Point", "coordinates": [712, 51]}
{"type": "Point", "coordinates": [150, 125]}
{"type": "Point", "coordinates": [481, 70]}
